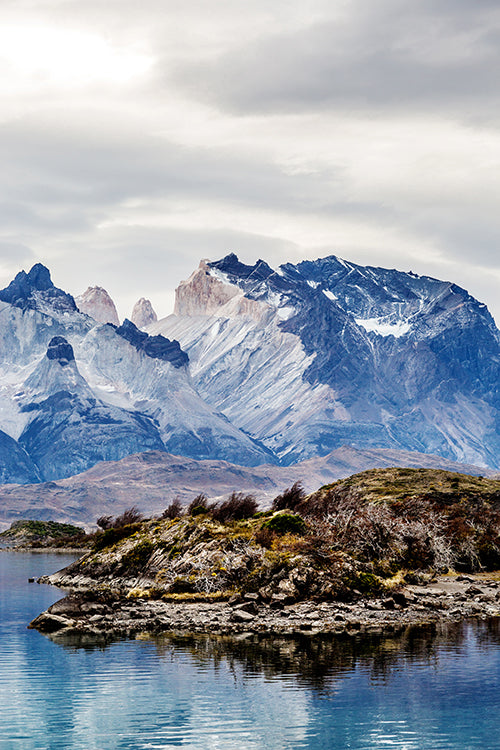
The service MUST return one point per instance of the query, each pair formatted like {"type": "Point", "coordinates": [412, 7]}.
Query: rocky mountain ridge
{"type": "Point", "coordinates": [74, 392]}
{"type": "Point", "coordinates": [330, 353]}
{"type": "Point", "coordinates": [255, 366]}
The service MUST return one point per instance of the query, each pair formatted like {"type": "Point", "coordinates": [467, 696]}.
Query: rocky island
{"type": "Point", "coordinates": [381, 549]}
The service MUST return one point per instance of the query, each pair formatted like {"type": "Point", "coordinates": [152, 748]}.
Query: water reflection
{"type": "Point", "coordinates": [434, 687]}
{"type": "Point", "coordinates": [314, 661]}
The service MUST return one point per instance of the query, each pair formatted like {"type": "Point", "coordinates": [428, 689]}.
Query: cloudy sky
{"type": "Point", "coordinates": [138, 137]}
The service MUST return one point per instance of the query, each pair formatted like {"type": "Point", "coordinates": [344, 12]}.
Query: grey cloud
{"type": "Point", "coordinates": [139, 261]}
{"type": "Point", "coordinates": [386, 55]}
{"type": "Point", "coordinates": [468, 236]}
{"type": "Point", "coordinates": [64, 179]}
{"type": "Point", "coordinates": [15, 252]}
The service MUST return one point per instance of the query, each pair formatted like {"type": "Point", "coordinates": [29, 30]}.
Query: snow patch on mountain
{"type": "Point", "coordinates": [328, 294]}
{"type": "Point", "coordinates": [325, 353]}
{"type": "Point", "coordinates": [383, 328]}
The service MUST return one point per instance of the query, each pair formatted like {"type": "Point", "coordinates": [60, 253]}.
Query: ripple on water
{"type": "Point", "coordinates": [431, 688]}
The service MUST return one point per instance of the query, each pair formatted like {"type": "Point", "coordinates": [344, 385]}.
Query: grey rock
{"type": "Point", "coordinates": [242, 615]}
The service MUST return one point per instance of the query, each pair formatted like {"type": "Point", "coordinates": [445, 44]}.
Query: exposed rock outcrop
{"type": "Point", "coordinates": [35, 290]}
{"type": "Point", "coordinates": [331, 353]}
{"type": "Point", "coordinates": [143, 313]}
{"type": "Point", "coordinates": [157, 347]}
{"type": "Point", "coordinates": [443, 599]}
{"type": "Point", "coordinates": [97, 303]}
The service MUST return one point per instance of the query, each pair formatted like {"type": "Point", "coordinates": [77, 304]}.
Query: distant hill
{"type": "Point", "coordinates": [151, 480]}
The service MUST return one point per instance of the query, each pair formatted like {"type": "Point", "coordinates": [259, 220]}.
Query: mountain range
{"type": "Point", "coordinates": [256, 366]}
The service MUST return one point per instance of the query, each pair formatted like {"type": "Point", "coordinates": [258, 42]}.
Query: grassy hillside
{"type": "Point", "coordinates": [414, 518]}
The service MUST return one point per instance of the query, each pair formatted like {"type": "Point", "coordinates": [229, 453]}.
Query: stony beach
{"type": "Point", "coordinates": [446, 598]}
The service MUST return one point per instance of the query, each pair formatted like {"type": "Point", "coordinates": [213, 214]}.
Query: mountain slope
{"type": "Point", "coordinates": [119, 376]}
{"type": "Point", "coordinates": [152, 480]}
{"type": "Point", "coordinates": [68, 429]}
{"type": "Point", "coordinates": [326, 353]}
{"type": "Point", "coordinates": [15, 464]}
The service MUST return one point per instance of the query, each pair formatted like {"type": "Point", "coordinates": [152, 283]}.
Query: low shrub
{"type": "Point", "coordinates": [291, 499]}
{"type": "Point", "coordinates": [174, 510]}
{"type": "Point", "coordinates": [237, 507]}
{"type": "Point", "coordinates": [182, 585]}
{"type": "Point", "coordinates": [113, 535]}
{"type": "Point", "coordinates": [199, 505]}
{"type": "Point", "coordinates": [265, 537]}
{"type": "Point", "coordinates": [128, 517]}
{"type": "Point", "coordinates": [285, 523]}
{"type": "Point", "coordinates": [138, 555]}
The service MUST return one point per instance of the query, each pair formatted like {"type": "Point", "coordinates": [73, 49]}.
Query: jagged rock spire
{"type": "Point", "coordinates": [97, 303]}
{"type": "Point", "coordinates": [143, 313]}
{"type": "Point", "coordinates": [60, 350]}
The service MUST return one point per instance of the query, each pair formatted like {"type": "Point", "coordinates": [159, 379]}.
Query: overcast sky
{"type": "Point", "coordinates": [138, 137]}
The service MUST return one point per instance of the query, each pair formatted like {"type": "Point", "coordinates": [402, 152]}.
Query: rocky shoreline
{"type": "Point", "coordinates": [446, 598]}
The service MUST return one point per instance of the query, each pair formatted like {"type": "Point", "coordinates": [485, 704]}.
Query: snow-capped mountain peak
{"type": "Point", "coordinates": [344, 354]}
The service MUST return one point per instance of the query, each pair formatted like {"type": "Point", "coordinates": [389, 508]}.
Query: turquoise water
{"type": "Point", "coordinates": [426, 689]}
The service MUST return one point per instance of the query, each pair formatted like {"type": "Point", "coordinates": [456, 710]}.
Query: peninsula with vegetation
{"type": "Point", "coordinates": [380, 549]}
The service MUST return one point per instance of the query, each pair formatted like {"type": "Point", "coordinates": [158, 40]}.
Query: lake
{"type": "Point", "coordinates": [427, 688]}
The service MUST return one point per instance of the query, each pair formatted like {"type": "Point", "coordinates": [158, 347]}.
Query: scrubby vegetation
{"type": "Point", "coordinates": [411, 518]}
{"type": "Point", "coordinates": [32, 533]}
{"type": "Point", "coordinates": [361, 535]}
{"type": "Point", "coordinates": [128, 517]}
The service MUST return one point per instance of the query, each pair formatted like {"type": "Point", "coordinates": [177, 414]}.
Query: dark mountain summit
{"type": "Point", "coordinates": [35, 289]}
{"type": "Point", "coordinates": [157, 347]}
{"type": "Point", "coordinates": [60, 350]}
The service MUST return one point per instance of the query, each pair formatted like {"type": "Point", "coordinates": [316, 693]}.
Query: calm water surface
{"type": "Point", "coordinates": [430, 688]}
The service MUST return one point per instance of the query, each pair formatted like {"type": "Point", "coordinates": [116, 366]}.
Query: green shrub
{"type": "Point", "coordinates": [285, 523]}
{"type": "Point", "coordinates": [112, 536]}
{"type": "Point", "coordinates": [198, 510]}
{"type": "Point", "coordinates": [366, 583]}
{"type": "Point", "coordinates": [138, 555]}
{"type": "Point", "coordinates": [198, 505]}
